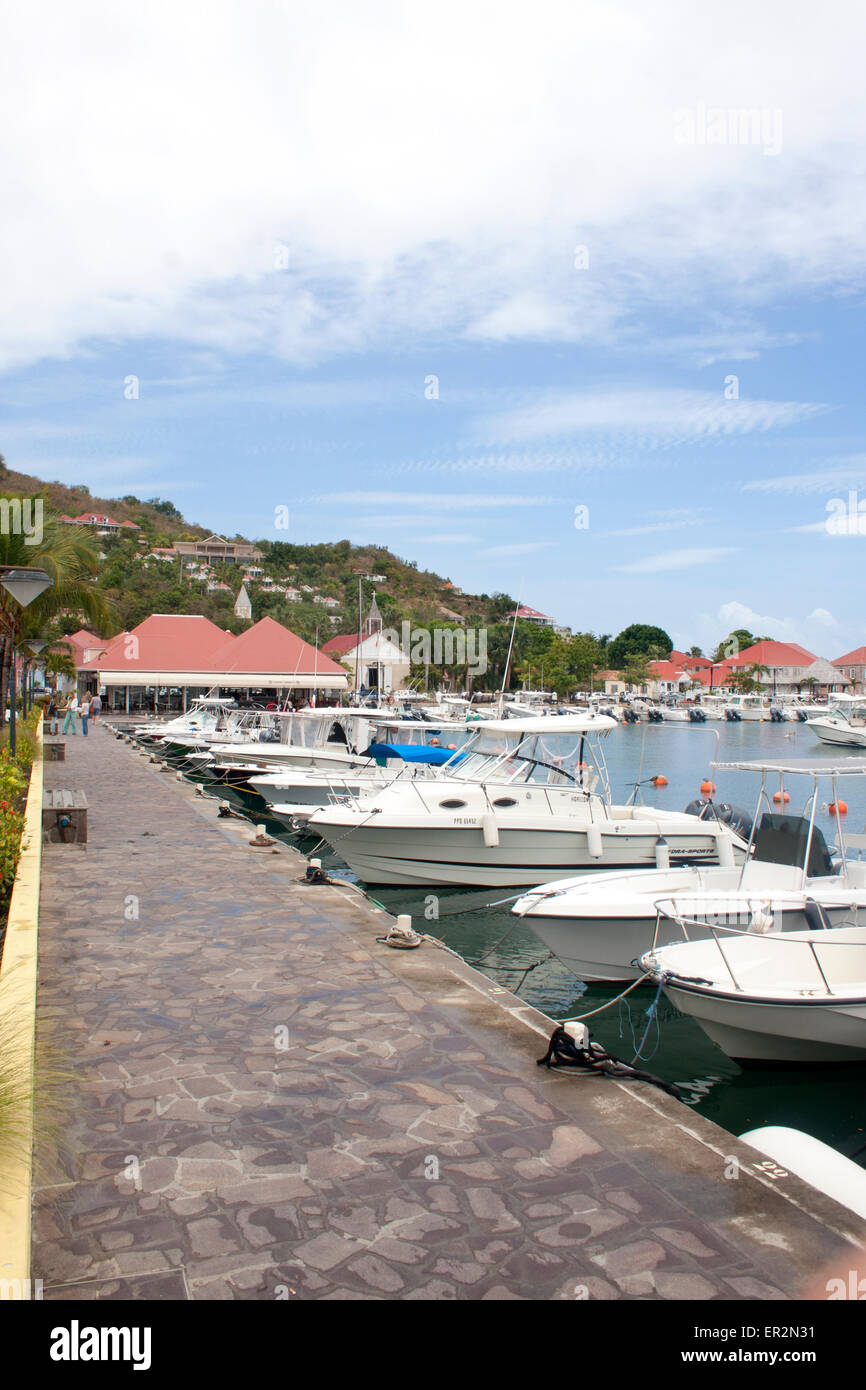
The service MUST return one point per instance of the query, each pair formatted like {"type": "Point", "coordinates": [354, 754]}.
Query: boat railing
{"type": "Point", "coordinates": [666, 909]}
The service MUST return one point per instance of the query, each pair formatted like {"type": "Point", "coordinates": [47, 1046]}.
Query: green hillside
{"type": "Point", "coordinates": [137, 582]}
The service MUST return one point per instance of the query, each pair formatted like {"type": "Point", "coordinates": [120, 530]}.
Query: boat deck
{"type": "Point", "coordinates": [268, 1104]}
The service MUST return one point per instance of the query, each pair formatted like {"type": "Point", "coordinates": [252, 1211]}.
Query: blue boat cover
{"type": "Point", "coordinates": [414, 753]}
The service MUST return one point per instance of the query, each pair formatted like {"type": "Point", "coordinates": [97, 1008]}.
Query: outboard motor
{"type": "Point", "coordinates": [776, 715]}
{"type": "Point", "coordinates": [697, 715]}
{"type": "Point", "coordinates": [735, 817]}
{"type": "Point", "coordinates": [732, 716]}
{"type": "Point", "coordinates": [656, 716]}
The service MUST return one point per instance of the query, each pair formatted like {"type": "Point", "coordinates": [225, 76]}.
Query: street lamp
{"type": "Point", "coordinates": [34, 645]}
{"type": "Point", "coordinates": [24, 584]}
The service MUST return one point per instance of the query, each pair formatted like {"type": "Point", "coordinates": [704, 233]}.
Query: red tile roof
{"type": "Point", "coordinates": [665, 670]}
{"type": "Point", "coordinates": [268, 646]}
{"type": "Point", "coordinates": [689, 663]}
{"type": "Point", "coordinates": [338, 646]}
{"type": "Point", "coordinates": [524, 611]}
{"type": "Point", "coordinates": [774, 654]}
{"type": "Point", "coordinates": [165, 642]}
{"type": "Point", "coordinates": [99, 519]}
{"type": "Point", "coordinates": [855, 658]}
{"type": "Point", "coordinates": [188, 642]}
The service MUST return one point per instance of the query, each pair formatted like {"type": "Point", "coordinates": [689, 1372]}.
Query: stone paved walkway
{"type": "Point", "coordinates": [271, 1105]}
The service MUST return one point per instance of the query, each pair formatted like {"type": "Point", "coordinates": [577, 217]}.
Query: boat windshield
{"type": "Point", "coordinates": [420, 735]}
{"type": "Point", "coordinates": [855, 714]}
{"type": "Point", "coordinates": [545, 759]}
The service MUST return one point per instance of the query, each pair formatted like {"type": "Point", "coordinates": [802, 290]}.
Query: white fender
{"type": "Point", "coordinates": [813, 1161]}
{"type": "Point", "coordinates": [663, 853]}
{"type": "Point", "coordinates": [725, 848]}
{"type": "Point", "coordinates": [490, 831]}
{"type": "Point", "coordinates": [594, 842]}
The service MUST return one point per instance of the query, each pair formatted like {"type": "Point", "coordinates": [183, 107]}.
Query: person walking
{"type": "Point", "coordinates": [84, 711]}
{"type": "Point", "coordinates": [96, 706]}
{"type": "Point", "coordinates": [71, 715]}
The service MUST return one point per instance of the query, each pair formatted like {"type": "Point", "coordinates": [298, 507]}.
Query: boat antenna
{"type": "Point", "coordinates": [508, 659]}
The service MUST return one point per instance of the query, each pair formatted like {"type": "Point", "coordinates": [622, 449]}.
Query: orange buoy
{"type": "Point", "coordinates": [781, 796]}
{"type": "Point", "coordinates": [708, 787]}
{"type": "Point", "coordinates": [840, 806]}
{"type": "Point", "coordinates": [660, 781]}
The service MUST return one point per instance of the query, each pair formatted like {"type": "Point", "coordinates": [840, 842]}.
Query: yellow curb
{"type": "Point", "coordinates": [18, 998]}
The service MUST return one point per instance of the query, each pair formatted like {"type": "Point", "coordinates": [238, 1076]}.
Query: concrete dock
{"type": "Point", "coordinates": [268, 1104]}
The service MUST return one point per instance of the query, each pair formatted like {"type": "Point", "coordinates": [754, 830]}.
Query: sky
{"type": "Point", "coordinates": [562, 299]}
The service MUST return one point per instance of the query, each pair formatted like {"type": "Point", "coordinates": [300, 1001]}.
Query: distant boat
{"type": "Point", "coordinates": [748, 708]}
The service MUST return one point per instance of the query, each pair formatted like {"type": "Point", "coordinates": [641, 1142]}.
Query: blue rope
{"type": "Point", "coordinates": [651, 1017]}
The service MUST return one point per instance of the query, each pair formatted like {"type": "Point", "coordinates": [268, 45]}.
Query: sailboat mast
{"type": "Point", "coordinates": [360, 639]}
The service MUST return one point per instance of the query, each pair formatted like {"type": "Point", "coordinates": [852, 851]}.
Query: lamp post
{"type": "Point", "coordinates": [35, 645]}
{"type": "Point", "coordinates": [24, 584]}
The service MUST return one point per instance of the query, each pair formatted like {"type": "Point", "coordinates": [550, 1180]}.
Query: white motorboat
{"type": "Point", "coordinates": [331, 739]}
{"type": "Point", "coordinates": [599, 925]}
{"type": "Point", "coordinates": [236, 726]}
{"type": "Point", "coordinates": [843, 724]}
{"type": "Point", "coordinates": [529, 799]}
{"type": "Point", "coordinates": [713, 705]}
{"type": "Point", "coordinates": [294, 795]}
{"type": "Point", "coordinates": [747, 708]}
{"type": "Point", "coordinates": [802, 711]}
{"type": "Point", "coordinates": [783, 997]}
{"type": "Point", "coordinates": [206, 714]}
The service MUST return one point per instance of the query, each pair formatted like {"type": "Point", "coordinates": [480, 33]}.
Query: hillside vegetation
{"type": "Point", "coordinates": [135, 582]}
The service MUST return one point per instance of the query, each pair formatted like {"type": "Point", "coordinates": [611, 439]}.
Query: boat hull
{"type": "Point", "coordinates": [609, 948]}
{"type": "Point", "coordinates": [755, 1031]}
{"type": "Point", "coordinates": [425, 854]}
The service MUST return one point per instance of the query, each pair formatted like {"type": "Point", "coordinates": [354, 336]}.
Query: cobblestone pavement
{"type": "Point", "coordinates": [269, 1104]}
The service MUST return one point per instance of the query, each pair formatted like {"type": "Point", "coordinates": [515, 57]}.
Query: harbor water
{"type": "Point", "coordinates": [827, 1102]}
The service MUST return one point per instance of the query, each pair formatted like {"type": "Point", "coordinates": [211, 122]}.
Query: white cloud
{"type": "Point", "coordinates": [676, 560]}
{"type": "Point", "coordinates": [823, 617]}
{"type": "Point", "coordinates": [843, 474]}
{"type": "Point", "coordinates": [417, 173]}
{"type": "Point", "coordinates": [809, 631]}
{"type": "Point", "coordinates": [503, 552]}
{"type": "Point", "coordinates": [676, 520]}
{"type": "Point", "coordinates": [644, 416]}
{"type": "Point", "coordinates": [444, 501]}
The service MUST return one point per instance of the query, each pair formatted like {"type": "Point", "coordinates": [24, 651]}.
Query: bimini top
{"type": "Point", "coordinates": [548, 724]}
{"type": "Point", "coordinates": [856, 767]}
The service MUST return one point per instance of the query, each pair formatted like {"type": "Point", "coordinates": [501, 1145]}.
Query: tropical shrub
{"type": "Point", "coordinates": [12, 785]}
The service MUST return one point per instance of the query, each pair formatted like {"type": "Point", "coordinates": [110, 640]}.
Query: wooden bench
{"type": "Point", "coordinates": [64, 817]}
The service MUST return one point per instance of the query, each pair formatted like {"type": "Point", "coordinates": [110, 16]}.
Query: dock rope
{"type": "Point", "coordinates": [564, 1051]}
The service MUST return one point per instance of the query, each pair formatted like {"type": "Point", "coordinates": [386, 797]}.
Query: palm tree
{"type": "Point", "coordinates": [748, 677]}
{"type": "Point", "coordinates": [67, 555]}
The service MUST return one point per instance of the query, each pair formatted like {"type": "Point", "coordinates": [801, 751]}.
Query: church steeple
{"type": "Point", "coordinates": [374, 618]}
